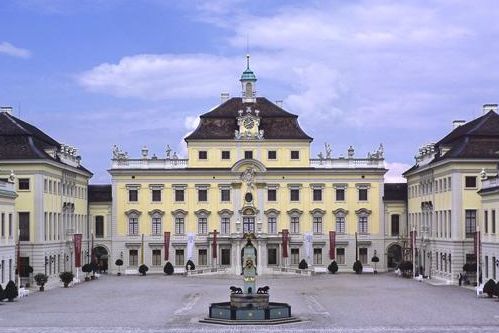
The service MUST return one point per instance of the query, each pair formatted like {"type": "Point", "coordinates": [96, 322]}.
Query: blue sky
{"type": "Point", "coordinates": [133, 73]}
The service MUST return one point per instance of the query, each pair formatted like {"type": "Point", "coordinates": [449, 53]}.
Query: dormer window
{"type": "Point", "coordinates": [248, 154]}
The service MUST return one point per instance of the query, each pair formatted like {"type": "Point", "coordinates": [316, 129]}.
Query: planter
{"type": "Point", "coordinates": [119, 274]}
{"type": "Point", "coordinates": [42, 288]}
{"type": "Point", "coordinates": [66, 285]}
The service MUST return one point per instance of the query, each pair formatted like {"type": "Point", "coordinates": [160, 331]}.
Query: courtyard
{"type": "Point", "coordinates": [327, 303]}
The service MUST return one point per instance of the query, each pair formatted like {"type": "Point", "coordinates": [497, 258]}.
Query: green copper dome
{"type": "Point", "coordinates": [248, 74]}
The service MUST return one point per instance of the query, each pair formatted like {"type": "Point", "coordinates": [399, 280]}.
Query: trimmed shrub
{"type": "Point", "coordinates": [143, 269]}
{"type": "Point", "coordinates": [333, 267]}
{"type": "Point", "coordinates": [10, 291]}
{"type": "Point", "coordinates": [119, 262]}
{"type": "Point", "coordinates": [489, 287]}
{"type": "Point", "coordinates": [168, 269]}
{"type": "Point", "coordinates": [87, 269]}
{"type": "Point", "coordinates": [41, 279]}
{"type": "Point", "coordinates": [303, 264]}
{"type": "Point", "coordinates": [190, 266]}
{"type": "Point", "coordinates": [374, 259]}
{"type": "Point", "coordinates": [357, 267]}
{"type": "Point", "coordinates": [66, 278]}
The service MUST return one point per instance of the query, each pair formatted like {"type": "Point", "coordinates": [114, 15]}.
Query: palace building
{"type": "Point", "coordinates": [249, 169]}
{"type": "Point", "coordinates": [8, 229]}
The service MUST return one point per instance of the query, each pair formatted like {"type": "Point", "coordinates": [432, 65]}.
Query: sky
{"type": "Point", "coordinates": [93, 73]}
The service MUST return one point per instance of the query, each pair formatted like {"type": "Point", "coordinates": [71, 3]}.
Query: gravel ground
{"type": "Point", "coordinates": [325, 303]}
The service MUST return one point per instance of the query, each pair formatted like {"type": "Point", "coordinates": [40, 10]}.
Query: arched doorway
{"type": "Point", "coordinates": [101, 257]}
{"type": "Point", "coordinates": [394, 256]}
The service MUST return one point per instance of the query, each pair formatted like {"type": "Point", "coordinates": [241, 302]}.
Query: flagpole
{"type": "Point", "coordinates": [413, 241]}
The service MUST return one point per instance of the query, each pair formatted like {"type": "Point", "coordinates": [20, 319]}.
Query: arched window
{"type": "Point", "coordinates": [202, 216]}
{"type": "Point", "coordinates": [133, 222]}
{"type": "Point", "coordinates": [156, 222]}
{"type": "Point", "coordinates": [340, 219]}
{"type": "Point", "coordinates": [225, 216]}
{"type": "Point", "coordinates": [363, 215]}
{"type": "Point", "coordinates": [179, 220]}
{"type": "Point", "coordinates": [317, 215]}
{"type": "Point", "coordinates": [272, 220]}
{"type": "Point", "coordinates": [294, 221]}
{"type": "Point", "coordinates": [249, 90]}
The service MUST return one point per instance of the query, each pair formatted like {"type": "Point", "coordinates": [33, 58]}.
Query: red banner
{"type": "Point", "coordinates": [332, 245]}
{"type": "Point", "coordinates": [167, 245]}
{"type": "Point", "coordinates": [476, 242]}
{"type": "Point", "coordinates": [214, 244]}
{"type": "Point", "coordinates": [285, 239]}
{"type": "Point", "coordinates": [77, 245]}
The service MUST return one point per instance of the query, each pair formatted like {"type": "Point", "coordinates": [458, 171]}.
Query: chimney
{"type": "Point", "coordinates": [224, 97]}
{"type": "Point", "coordinates": [489, 107]}
{"type": "Point", "coordinates": [457, 123]}
{"type": "Point", "coordinates": [279, 103]}
{"type": "Point", "coordinates": [7, 109]}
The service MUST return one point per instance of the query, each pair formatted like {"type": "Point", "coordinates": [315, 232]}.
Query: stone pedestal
{"type": "Point", "coordinates": [249, 301]}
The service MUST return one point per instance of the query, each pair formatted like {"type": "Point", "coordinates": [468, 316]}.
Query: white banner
{"type": "Point", "coordinates": [308, 240]}
{"type": "Point", "coordinates": [190, 245]}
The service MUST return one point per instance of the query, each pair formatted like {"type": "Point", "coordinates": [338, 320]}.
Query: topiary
{"type": "Point", "coordinates": [489, 287]}
{"type": "Point", "coordinates": [303, 264]}
{"type": "Point", "coordinates": [119, 263]}
{"type": "Point", "coordinates": [168, 269]}
{"type": "Point", "coordinates": [41, 279]}
{"type": "Point", "coordinates": [10, 291]}
{"type": "Point", "coordinates": [143, 269]}
{"type": "Point", "coordinates": [375, 259]}
{"type": "Point", "coordinates": [66, 278]}
{"type": "Point", "coordinates": [357, 267]}
{"type": "Point", "coordinates": [190, 266]}
{"type": "Point", "coordinates": [333, 267]}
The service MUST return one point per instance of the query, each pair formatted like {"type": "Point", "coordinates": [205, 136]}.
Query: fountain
{"type": "Point", "coordinates": [248, 305]}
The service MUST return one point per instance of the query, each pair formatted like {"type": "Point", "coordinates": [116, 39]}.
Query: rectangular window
{"type": "Point", "coordinates": [248, 224]}
{"type": "Point", "coordinates": [272, 256]}
{"type": "Point", "coordinates": [99, 226]}
{"type": "Point", "coordinates": [179, 195]}
{"type": "Point", "coordinates": [179, 225]}
{"type": "Point", "coordinates": [340, 224]}
{"type": "Point", "coordinates": [156, 225]}
{"type": "Point", "coordinates": [202, 195]}
{"type": "Point", "coordinates": [470, 222]}
{"type": "Point", "coordinates": [294, 194]}
{"type": "Point", "coordinates": [225, 194]}
{"type": "Point", "coordinates": [133, 226]}
{"type": "Point", "coordinates": [24, 227]}
{"type": "Point", "coordinates": [156, 257]}
{"type": "Point", "coordinates": [295, 225]}
{"type": "Point", "coordinates": [271, 195]}
{"type": "Point", "coordinates": [317, 194]}
{"type": "Point", "coordinates": [272, 222]}
{"type": "Point", "coordinates": [133, 258]}
{"type": "Point", "coordinates": [133, 195]}
{"type": "Point", "coordinates": [493, 215]}
{"type": "Point", "coordinates": [225, 225]}
{"type": "Point", "coordinates": [156, 195]}
{"type": "Point", "coordinates": [248, 154]}
{"type": "Point", "coordinates": [272, 155]}
{"type": "Point", "coordinates": [317, 224]}
{"type": "Point", "coordinates": [340, 256]}
{"type": "Point", "coordinates": [295, 256]}
{"type": "Point", "coordinates": [486, 221]}
{"type": "Point", "coordinates": [470, 181]}
{"type": "Point", "coordinates": [363, 224]}
{"type": "Point", "coordinates": [10, 226]}
{"type": "Point", "coordinates": [317, 256]}
{"type": "Point", "coordinates": [340, 194]}
{"type": "Point", "coordinates": [362, 194]}
{"type": "Point", "coordinates": [395, 224]}
{"type": "Point", "coordinates": [494, 268]}
{"type": "Point", "coordinates": [295, 154]}
{"type": "Point", "coordinates": [225, 260]}
{"type": "Point", "coordinates": [179, 257]}
{"type": "Point", "coordinates": [202, 225]}
{"type": "Point", "coordinates": [3, 226]}
{"type": "Point", "coordinates": [486, 267]}
{"type": "Point", "coordinates": [202, 257]}
{"type": "Point", "coordinates": [225, 155]}
{"type": "Point", "coordinates": [203, 155]}
{"type": "Point", "coordinates": [363, 255]}
{"type": "Point", "coordinates": [23, 184]}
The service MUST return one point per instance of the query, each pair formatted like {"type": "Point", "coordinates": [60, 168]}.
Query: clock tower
{"type": "Point", "coordinates": [248, 80]}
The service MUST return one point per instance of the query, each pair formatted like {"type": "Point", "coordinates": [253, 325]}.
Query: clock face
{"type": "Point", "coordinates": [248, 123]}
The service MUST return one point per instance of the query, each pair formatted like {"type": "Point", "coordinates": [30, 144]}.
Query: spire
{"type": "Point", "coordinates": [247, 61]}
{"type": "Point", "coordinates": [248, 74]}
{"type": "Point", "coordinates": [248, 79]}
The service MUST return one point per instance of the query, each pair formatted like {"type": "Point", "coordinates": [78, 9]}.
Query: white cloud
{"type": "Point", "coordinates": [395, 170]}
{"type": "Point", "coordinates": [11, 50]}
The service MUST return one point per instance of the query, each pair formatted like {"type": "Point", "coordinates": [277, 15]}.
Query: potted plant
{"type": "Point", "coordinates": [66, 278]}
{"type": "Point", "coordinates": [119, 263]}
{"type": "Point", "coordinates": [40, 280]}
{"type": "Point", "coordinates": [143, 269]}
{"type": "Point", "coordinates": [168, 269]}
{"type": "Point", "coordinates": [10, 291]}
{"type": "Point", "coordinates": [489, 287]}
{"type": "Point", "coordinates": [333, 267]}
{"type": "Point", "coordinates": [357, 267]}
{"type": "Point", "coordinates": [87, 269]}
{"type": "Point", "coordinates": [375, 260]}
{"type": "Point", "coordinates": [303, 264]}
{"type": "Point", "coordinates": [189, 266]}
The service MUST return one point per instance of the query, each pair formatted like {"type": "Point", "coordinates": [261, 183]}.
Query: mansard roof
{"type": "Point", "coordinates": [100, 193]}
{"type": "Point", "coordinates": [20, 140]}
{"type": "Point", "coordinates": [221, 122]}
{"type": "Point", "coordinates": [395, 192]}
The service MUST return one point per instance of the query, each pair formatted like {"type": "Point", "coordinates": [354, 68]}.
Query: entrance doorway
{"type": "Point", "coordinates": [394, 256]}
{"type": "Point", "coordinates": [101, 256]}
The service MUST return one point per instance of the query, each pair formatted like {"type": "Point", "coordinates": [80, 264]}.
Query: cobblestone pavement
{"type": "Point", "coordinates": [325, 303]}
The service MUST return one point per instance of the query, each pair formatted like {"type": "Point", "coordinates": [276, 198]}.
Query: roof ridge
{"type": "Point", "coordinates": [13, 120]}
{"type": "Point", "coordinates": [483, 119]}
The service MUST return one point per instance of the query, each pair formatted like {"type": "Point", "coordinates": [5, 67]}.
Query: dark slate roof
{"type": "Point", "coordinates": [99, 193]}
{"type": "Point", "coordinates": [395, 191]}
{"type": "Point", "coordinates": [20, 140]}
{"type": "Point", "coordinates": [221, 122]}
